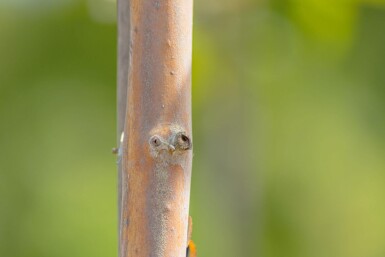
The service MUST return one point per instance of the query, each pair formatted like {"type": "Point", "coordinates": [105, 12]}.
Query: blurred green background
{"type": "Point", "coordinates": [288, 116]}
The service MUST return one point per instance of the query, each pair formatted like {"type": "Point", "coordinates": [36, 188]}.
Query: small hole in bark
{"type": "Point", "coordinates": [155, 141]}
{"type": "Point", "coordinates": [185, 138]}
{"type": "Point", "coordinates": [182, 141]}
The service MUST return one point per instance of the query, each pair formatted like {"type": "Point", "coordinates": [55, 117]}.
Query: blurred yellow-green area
{"type": "Point", "coordinates": [288, 116]}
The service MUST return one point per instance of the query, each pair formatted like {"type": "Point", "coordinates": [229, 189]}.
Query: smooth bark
{"type": "Point", "coordinates": [156, 149]}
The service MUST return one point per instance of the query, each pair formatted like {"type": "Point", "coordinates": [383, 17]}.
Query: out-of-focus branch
{"type": "Point", "coordinates": [123, 24]}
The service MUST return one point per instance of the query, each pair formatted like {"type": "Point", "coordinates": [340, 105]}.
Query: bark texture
{"type": "Point", "coordinates": [156, 150]}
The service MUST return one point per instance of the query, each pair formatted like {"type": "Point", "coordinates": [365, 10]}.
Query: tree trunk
{"type": "Point", "coordinates": [156, 148]}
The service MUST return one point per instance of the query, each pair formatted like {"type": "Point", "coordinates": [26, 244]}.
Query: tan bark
{"type": "Point", "coordinates": [157, 156]}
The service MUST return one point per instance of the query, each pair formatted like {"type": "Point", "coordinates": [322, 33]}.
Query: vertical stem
{"type": "Point", "coordinates": [157, 156]}
{"type": "Point", "coordinates": [123, 23]}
